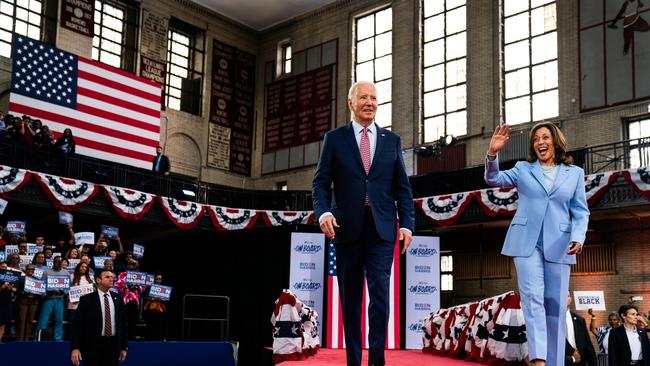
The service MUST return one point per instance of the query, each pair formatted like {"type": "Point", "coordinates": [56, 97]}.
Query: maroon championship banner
{"type": "Point", "coordinates": [232, 107]}
{"type": "Point", "coordinates": [298, 109]}
{"type": "Point", "coordinates": [78, 16]}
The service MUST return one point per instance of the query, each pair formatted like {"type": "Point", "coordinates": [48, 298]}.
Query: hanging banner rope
{"type": "Point", "coordinates": [445, 210]}
{"type": "Point", "coordinates": [226, 219]}
{"type": "Point", "coordinates": [130, 204]}
{"type": "Point", "coordinates": [639, 179]}
{"type": "Point", "coordinates": [12, 179]}
{"type": "Point", "coordinates": [66, 194]}
{"type": "Point", "coordinates": [596, 185]}
{"type": "Point", "coordinates": [186, 215]}
{"type": "Point", "coordinates": [280, 218]}
{"type": "Point", "coordinates": [498, 201]}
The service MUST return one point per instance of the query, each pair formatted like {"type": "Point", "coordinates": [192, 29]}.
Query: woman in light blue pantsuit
{"type": "Point", "coordinates": [547, 231]}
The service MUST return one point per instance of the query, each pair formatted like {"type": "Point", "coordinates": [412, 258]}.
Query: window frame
{"type": "Point", "coordinates": [449, 272]}
{"type": "Point", "coordinates": [14, 20]}
{"type": "Point", "coordinates": [284, 59]}
{"type": "Point", "coordinates": [129, 34]}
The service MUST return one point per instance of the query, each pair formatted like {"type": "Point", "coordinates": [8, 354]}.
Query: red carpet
{"type": "Point", "coordinates": [336, 357]}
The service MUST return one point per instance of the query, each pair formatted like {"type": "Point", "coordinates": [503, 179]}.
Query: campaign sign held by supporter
{"type": "Point", "coordinates": [65, 218]}
{"type": "Point", "coordinates": [56, 254]}
{"type": "Point", "coordinates": [72, 263]}
{"type": "Point", "coordinates": [3, 205]}
{"type": "Point", "coordinates": [49, 262]}
{"type": "Point", "coordinates": [11, 249]}
{"type": "Point", "coordinates": [138, 250]}
{"type": "Point", "coordinates": [151, 278]}
{"type": "Point", "coordinates": [32, 249]}
{"type": "Point", "coordinates": [38, 272]}
{"type": "Point", "coordinates": [110, 231]}
{"type": "Point", "coordinates": [3, 256]}
{"type": "Point", "coordinates": [136, 278]}
{"type": "Point", "coordinates": [16, 227]}
{"type": "Point", "coordinates": [84, 237]}
{"type": "Point", "coordinates": [585, 300]}
{"type": "Point", "coordinates": [99, 261]}
{"type": "Point", "coordinates": [40, 248]}
{"type": "Point", "coordinates": [7, 275]}
{"type": "Point", "coordinates": [76, 292]}
{"type": "Point", "coordinates": [58, 283]}
{"type": "Point", "coordinates": [35, 286]}
{"type": "Point", "coordinates": [161, 292]}
{"type": "Point", "coordinates": [25, 260]}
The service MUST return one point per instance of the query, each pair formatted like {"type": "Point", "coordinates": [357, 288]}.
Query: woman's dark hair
{"type": "Point", "coordinates": [36, 255]}
{"type": "Point", "coordinates": [559, 144]}
{"type": "Point", "coordinates": [77, 274]}
{"type": "Point", "coordinates": [622, 311]}
{"type": "Point", "coordinates": [67, 130]}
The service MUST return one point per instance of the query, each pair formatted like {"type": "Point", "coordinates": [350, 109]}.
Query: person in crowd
{"type": "Point", "coordinates": [22, 248]}
{"type": "Point", "coordinates": [642, 321]}
{"type": "Point", "coordinates": [39, 261]}
{"type": "Point", "coordinates": [155, 314]}
{"type": "Point", "coordinates": [360, 215]}
{"type": "Point", "coordinates": [160, 163]}
{"type": "Point", "coordinates": [579, 349]}
{"type": "Point", "coordinates": [27, 305]}
{"type": "Point", "coordinates": [84, 258]}
{"type": "Point", "coordinates": [67, 241]}
{"type": "Point", "coordinates": [53, 303]}
{"type": "Point", "coordinates": [80, 276]}
{"type": "Point", "coordinates": [628, 345]}
{"type": "Point", "coordinates": [131, 295]}
{"type": "Point", "coordinates": [6, 312]}
{"type": "Point", "coordinates": [108, 264]}
{"type": "Point", "coordinates": [14, 239]}
{"type": "Point", "coordinates": [99, 332]}
{"type": "Point", "coordinates": [73, 253]}
{"type": "Point", "coordinates": [47, 250]}
{"type": "Point", "coordinates": [36, 126]}
{"type": "Point", "coordinates": [13, 262]}
{"type": "Point", "coordinates": [44, 139]}
{"type": "Point", "coordinates": [546, 233]}
{"type": "Point", "coordinates": [65, 143]}
{"type": "Point", "coordinates": [122, 262]}
{"type": "Point", "coordinates": [22, 132]}
{"type": "Point", "coordinates": [101, 247]}
{"type": "Point", "coordinates": [3, 243]}
{"type": "Point", "coordinates": [65, 264]}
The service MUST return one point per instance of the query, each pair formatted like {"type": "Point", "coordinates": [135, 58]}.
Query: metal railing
{"type": "Point", "coordinates": [201, 303]}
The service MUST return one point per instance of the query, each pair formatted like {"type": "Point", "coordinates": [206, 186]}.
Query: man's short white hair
{"type": "Point", "coordinates": [353, 88]}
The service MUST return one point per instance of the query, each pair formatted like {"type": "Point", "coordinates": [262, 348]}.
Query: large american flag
{"type": "Point", "coordinates": [113, 115]}
{"type": "Point", "coordinates": [334, 326]}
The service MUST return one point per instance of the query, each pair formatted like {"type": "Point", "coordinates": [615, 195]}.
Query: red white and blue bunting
{"type": "Point", "coordinates": [639, 179]}
{"type": "Point", "coordinates": [12, 179]}
{"type": "Point", "coordinates": [184, 214]}
{"type": "Point", "coordinates": [129, 203]}
{"type": "Point", "coordinates": [446, 209]}
{"type": "Point", "coordinates": [66, 194]}
{"type": "Point", "coordinates": [597, 184]}
{"type": "Point", "coordinates": [280, 218]}
{"type": "Point", "coordinates": [498, 201]}
{"type": "Point", "coordinates": [225, 219]}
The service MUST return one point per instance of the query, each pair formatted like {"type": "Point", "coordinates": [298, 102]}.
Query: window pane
{"type": "Point", "coordinates": [456, 46]}
{"type": "Point", "coordinates": [5, 49]}
{"type": "Point", "coordinates": [383, 67]}
{"type": "Point", "coordinates": [287, 66]}
{"type": "Point", "coordinates": [384, 44]}
{"type": "Point", "coordinates": [545, 76]}
{"type": "Point", "coordinates": [456, 20]}
{"type": "Point", "coordinates": [434, 52]}
{"type": "Point", "coordinates": [434, 28]}
{"type": "Point", "coordinates": [456, 72]}
{"type": "Point", "coordinates": [434, 103]}
{"type": "Point", "coordinates": [517, 83]}
{"type": "Point", "coordinates": [634, 130]}
{"type": "Point", "coordinates": [457, 123]}
{"type": "Point", "coordinates": [35, 6]}
{"type": "Point", "coordinates": [446, 282]}
{"type": "Point", "coordinates": [23, 3]}
{"type": "Point", "coordinates": [384, 91]}
{"type": "Point", "coordinates": [516, 28]}
{"type": "Point", "coordinates": [456, 98]}
{"type": "Point", "coordinates": [366, 71]}
{"type": "Point", "coordinates": [383, 117]}
{"type": "Point", "coordinates": [543, 20]}
{"type": "Point", "coordinates": [366, 50]}
{"type": "Point", "coordinates": [544, 47]}
{"type": "Point", "coordinates": [432, 7]}
{"type": "Point", "coordinates": [6, 22]}
{"type": "Point", "coordinates": [514, 6]}
{"type": "Point", "coordinates": [446, 263]}
{"type": "Point", "coordinates": [21, 28]}
{"type": "Point", "coordinates": [434, 77]}
{"type": "Point", "coordinates": [518, 110]}
{"type": "Point", "coordinates": [33, 32]}
{"type": "Point", "coordinates": [451, 4]}
{"type": "Point", "coordinates": [516, 55]}
{"type": "Point", "coordinates": [536, 3]}
{"type": "Point", "coordinates": [384, 20]}
{"type": "Point", "coordinates": [545, 105]}
{"type": "Point", "coordinates": [365, 27]}
{"type": "Point", "coordinates": [434, 128]}
{"type": "Point", "coordinates": [6, 8]}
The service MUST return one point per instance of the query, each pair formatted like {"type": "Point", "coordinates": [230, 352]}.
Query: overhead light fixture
{"type": "Point", "coordinates": [189, 193]}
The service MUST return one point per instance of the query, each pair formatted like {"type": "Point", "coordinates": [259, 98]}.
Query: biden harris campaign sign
{"type": "Point", "coordinates": [306, 279]}
{"type": "Point", "coordinates": [422, 286]}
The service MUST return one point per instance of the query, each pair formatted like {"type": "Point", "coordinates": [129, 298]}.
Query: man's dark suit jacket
{"type": "Point", "coordinates": [386, 184]}
{"type": "Point", "coordinates": [583, 343]}
{"type": "Point", "coordinates": [88, 322]}
{"type": "Point", "coordinates": [164, 164]}
{"type": "Point", "coordinates": [619, 347]}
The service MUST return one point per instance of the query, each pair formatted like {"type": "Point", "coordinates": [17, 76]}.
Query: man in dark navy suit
{"type": "Point", "coordinates": [160, 163]}
{"type": "Point", "coordinates": [364, 163]}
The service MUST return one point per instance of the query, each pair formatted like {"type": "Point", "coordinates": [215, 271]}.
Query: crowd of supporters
{"type": "Point", "coordinates": [25, 316]}
{"type": "Point", "coordinates": [32, 134]}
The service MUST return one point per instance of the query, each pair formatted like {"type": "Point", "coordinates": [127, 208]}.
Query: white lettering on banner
{"type": "Point", "coordinates": [585, 300]}
{"type": "Point", "coordinates": [306, 276]}
{"type": "Point", "coordinates": [135, 278]}
{"type": "Point", "coordinates": [76, 292]}
{"type": "Point", "coordinates": [84, 237]}
{"type": "Point", "coordinates": [160, 292]}
{"type": "Point", "coordinates": [422, 286]}
{"type": "Point", "coordinates": [11, 249]}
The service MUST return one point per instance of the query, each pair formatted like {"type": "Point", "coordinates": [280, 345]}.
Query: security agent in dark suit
{"type": "Point", "coordinates": [628, 345]}
{"type": "Point", "coordinates": [578, 350]}
{"type": "Point", "coordinates": [160, 163]}
{"type": "Point", "coordinates": [364, 164]}
{"type": "Point", "coordinates": [99, 331]}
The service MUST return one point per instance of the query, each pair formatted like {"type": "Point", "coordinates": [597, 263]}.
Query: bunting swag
{"type": "Point", "coordinates": [639, 179]}
{"type": "Point", "coordinates": [66, 194]}
{"type": "Point", "coordinates": [498, 201]}
{"type": "Point", "coordinates": [12, 179]}
{"type": "Point", "coordinates": [130, 204]}
{"type": "Point", "coordinates": [225, 219]}
{"type": "Point", "coordinates": [597, 184]}
{"type": "Point", "coordinates": [445, 210]}
{"type": "Point", "coordinates": [280, 218]}
{"type": "Point", "coordinates": [184, 214]}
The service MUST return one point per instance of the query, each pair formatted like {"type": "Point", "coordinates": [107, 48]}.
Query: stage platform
{"type": "Point", "coordinates": [336, 357]}
{"type": "Point", "coordinates": [140, 353]}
